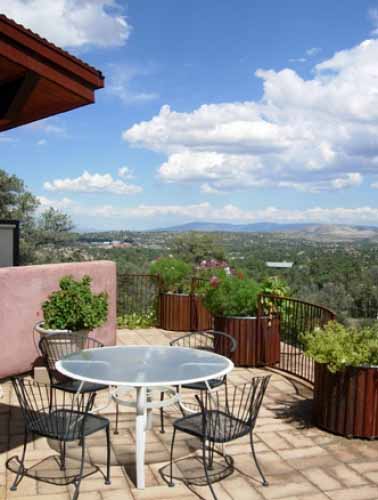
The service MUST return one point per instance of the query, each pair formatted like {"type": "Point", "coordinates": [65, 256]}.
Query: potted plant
{"type": "Point", "coordinates": [346, 378]}
{"type": "Point", "coordinates": [175, 297]}
{"type": "Point", "coordinates": [73, 308]}
{"type": "Point", "coordinates": [233, 301]}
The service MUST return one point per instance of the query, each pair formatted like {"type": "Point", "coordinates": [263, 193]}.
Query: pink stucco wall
{"type": "Point", "coordinates": [22, 291]}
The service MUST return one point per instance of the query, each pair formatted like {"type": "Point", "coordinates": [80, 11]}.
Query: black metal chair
{"type": "Point", "coordinates": [226, 414]}
{"type": "Point", "coordinates": [57, 345]}
{"type": "Point", "coordinates": [62, 416]}
{"type": "Point", "coordinates": [209, 340]}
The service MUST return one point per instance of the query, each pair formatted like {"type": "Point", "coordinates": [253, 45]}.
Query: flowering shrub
{"type": "Point", "coordinates": [339, 347]}
{"type": "Point", "coordinates": [228, 295]}
{"type": "Point", "coordinates": [174, 274]}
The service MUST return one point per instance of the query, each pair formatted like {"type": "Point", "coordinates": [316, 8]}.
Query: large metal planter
{"type": "Point", "coordinates": [258, 339]}
{"type": "Point", "coordinates": [183, 313]}
{"type": "Point", "coordinates": [346, 403]}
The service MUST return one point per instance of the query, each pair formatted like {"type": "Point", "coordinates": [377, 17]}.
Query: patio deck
{"type": "Point", "coordinates": [301, 462]}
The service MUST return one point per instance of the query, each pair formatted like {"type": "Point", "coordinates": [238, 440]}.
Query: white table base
{"type": "Point", "coordinates": [144, 406]}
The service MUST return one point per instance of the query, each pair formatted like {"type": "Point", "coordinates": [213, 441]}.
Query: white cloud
{"type": "Point", "coordinates": [373, 16]}
{"type": "Point", "coordinates": [227, 213]}
{"type": "Point", "coordinates": [309, 135]}
{"type": "Point", "coordinates": [49, 126]}
{"type": "Point", "coordinates": [121, 84]}
{"type": "Point", "coordinates": [313, 51]}
{"type": "Point", "coordinates": [125, 172]}
{"type": "Point", "coordinates": [92, 183]}
{"type": "Point", "coordinates": [41, 142]}
{"type": "Point", "coordinates": [72, 23]}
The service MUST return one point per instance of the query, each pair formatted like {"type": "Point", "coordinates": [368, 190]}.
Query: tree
{"type": "Point", "coordinates": [15, 201]}
{"type": "Point", "coordinates": [51, 227]}
{"type": "Point", "coordinates": [195, 247]}
{"type": "Point", "coordinates": [54, 227]}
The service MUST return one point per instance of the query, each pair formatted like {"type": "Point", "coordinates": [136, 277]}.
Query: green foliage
{"type": "Point", "coordinates": [53, 227]}
{"type": "Point", "coordinates": [15, 201]}
{"type": "Point", "coordinates": [228, 295]}
{"type": "Point", "coordinates": [339, 346]}
{"type": "Point", "coordinates": [194, 247]}
{"type": "Point", "coordinates": [274, 285]}
{"type": "Point", "coordinates": [135, 320]}
{"type": "Point", "coordinates": [174, 274]}
{"type": "Point", "coordinates": [75, 307]}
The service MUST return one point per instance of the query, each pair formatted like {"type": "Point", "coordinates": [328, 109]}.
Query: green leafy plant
{"type": "Point", "coordinates": [75, 307]}
{"type": "Point", "coordinates": [174, 274]}
{"type": "Point", "coordinates": [339, 346]}
{"type": "Point", "coordinates": [137, 320]}
{"type": "Point", "coordinates": [229, 295]}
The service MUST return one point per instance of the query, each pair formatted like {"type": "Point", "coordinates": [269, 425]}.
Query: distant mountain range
{"type": "Point", "coordinates": [258, 227]}
{"type": "Point", "coordinates": [322, 232]}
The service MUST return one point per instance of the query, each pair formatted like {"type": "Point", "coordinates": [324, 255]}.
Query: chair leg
{"type": "Point", "coordinates": [171, 483]}
{"type": "Point", "coordinates": [20, 472]}
{"type": "Point", "coordinates": [107, 480]}
{"type": "Point", "coordinates": [62, 447]}
{"type": "Point", "coordinates": [78, 480]}
{"type": "Point", "coordinates": [207, 470]}
{"type": "Point", "coordinates": [264, 481]}
{"type": "Point", "coordinates": [117, 416]}
{"type": "Point", "coordinates": [162, 429]}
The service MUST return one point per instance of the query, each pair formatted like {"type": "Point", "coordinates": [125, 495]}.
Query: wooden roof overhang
{"type": "Point", "coordinates": [38, 79]}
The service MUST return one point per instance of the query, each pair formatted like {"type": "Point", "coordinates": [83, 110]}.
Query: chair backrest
{"type": "Point", "coordinates": [56, 346]}
{"type": "Point", "coordinates": [50, 412]}
{"type": "Point", "coordinates": [209, 340]}
{"type": "Point", "coordinates": [231, 410]}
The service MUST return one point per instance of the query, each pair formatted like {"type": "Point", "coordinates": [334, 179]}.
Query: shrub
{"type": "Point", "coordinates": [74, 307]}
{"type": "Point", "coordinates": [339, 346]}
{"type": "Point", "coordinates": [228, 295]}
{"type": "Point", "coordinates": [137, 320]}
{"type": "Point", "coordinates": [174, 274]}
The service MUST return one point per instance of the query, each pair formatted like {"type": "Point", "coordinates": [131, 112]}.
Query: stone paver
{"type": "Point", "coordinates": [300, 461]}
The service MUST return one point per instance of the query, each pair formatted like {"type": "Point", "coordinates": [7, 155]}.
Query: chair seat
{"type": "Point", "coordinates": [73, 386]}
{"type": "Point", "coordinates": [66, 425]}
{"type": "Point", "coordinates": [220, 427]}
{"type": "Point", "coordinates": [201, 386]}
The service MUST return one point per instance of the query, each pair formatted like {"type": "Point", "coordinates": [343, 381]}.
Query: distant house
{"type": "Point", "coordinates": [280, 265]}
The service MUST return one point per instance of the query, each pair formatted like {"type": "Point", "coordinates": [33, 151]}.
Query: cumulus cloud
{"type": "Point", "coordinates": [92, 183]}
{"type": "Point", "coordinates": [72, 23]}
{"type": "Point", "coordinates": [226, 213]}
{"type": "Point", "coordinates": [310, 135]}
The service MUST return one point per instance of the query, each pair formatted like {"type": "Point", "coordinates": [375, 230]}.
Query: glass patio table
{"type": "Point", "coordinates": [143, 368]}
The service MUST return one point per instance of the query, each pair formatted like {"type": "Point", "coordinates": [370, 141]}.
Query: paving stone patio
{"type": "Point", "coordinates": [300, 461]}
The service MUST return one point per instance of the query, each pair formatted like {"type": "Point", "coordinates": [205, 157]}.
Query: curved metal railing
{"type": "Point", "coordinates": [296, 317]}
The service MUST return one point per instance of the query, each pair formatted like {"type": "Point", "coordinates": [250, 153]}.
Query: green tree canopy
{"type": "Point", "coordinates": [195, 247]}
{"type": "Point", "coordinates": [15, 201]}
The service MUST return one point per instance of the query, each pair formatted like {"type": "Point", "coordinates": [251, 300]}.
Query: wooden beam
{"type": "Point", "coordinates": [14, 95]}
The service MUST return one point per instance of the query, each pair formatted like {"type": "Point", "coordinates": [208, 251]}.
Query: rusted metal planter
{"type": "Point", "coordinates": [258, 339]}
{"type": "Point", "coordinates": [183, 313]}
{"type": "Point", "coordinates": [346, 403]}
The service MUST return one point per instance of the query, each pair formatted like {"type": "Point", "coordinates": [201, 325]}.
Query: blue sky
{"type": "Point", "coordinates": [237, 111]}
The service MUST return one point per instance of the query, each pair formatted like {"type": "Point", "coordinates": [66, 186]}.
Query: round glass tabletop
{"type": "Point", "coordinates": [144, 365]}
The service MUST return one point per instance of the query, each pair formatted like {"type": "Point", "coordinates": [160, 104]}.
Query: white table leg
{"type": "Point", "coordinates": [149, 411]}
{"type": "Point", "coordinates": [140, 435]}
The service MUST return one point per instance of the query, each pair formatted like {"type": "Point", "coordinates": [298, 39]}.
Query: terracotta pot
{"type": "Point", "coordinates": [258, 339]}
{"type": "Point", "coordinates": [346, 402]}
{"type": "Point", "coordinates": [183, 313]}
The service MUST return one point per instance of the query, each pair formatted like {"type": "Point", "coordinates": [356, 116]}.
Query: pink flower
{"type": "Point", "coordinates": [214, 281]}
